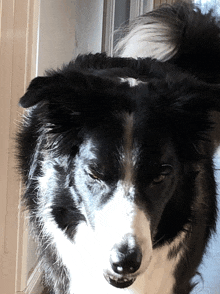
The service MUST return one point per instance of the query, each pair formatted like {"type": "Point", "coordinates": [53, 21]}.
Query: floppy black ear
{"type": "Point", "coordinates": [203, 98]}
{"type": "Point", "coordinates": [74, 95]}
{"type": "Point", "coordinates": [50, 87]}
{"type": "Point", "coordinates": [191, 118]}
{"type": "Point", "coordinates": [67, 84]}
{"type": "Point", "coordinates": [184, 109]}
{"type": "Point", "coordinates": [36, 91]}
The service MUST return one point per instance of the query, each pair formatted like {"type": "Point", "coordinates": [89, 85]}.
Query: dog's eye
{"type": "Point", "coordinates": [166, 169]}
{"type": "Point", "coordinates": [159, 179]}
{"type": "Point", "coordinates": [93, 176]}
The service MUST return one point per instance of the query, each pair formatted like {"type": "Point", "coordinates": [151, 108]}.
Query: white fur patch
{"type": "Point", "coordinates": [149, 40]}
{"type": "Point", "coordinates": [131, 81]}
{"type": "Point", "coordinates": [120, 217]}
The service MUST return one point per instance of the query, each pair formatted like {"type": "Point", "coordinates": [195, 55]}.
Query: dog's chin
{"type": "Point", "coordinates": [119, 282]}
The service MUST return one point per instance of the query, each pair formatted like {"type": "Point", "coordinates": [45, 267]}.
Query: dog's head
{"type": "Point", "coordinates": [125, 144]}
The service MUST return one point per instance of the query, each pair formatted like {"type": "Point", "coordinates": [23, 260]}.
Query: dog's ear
{"type": "Point", "coordinates": [75, 94]}
{"type": "Point", "coordinates": [189, 117]}
{"type": "Point", "coordinates": [203, 98]}
{"type": "Point", "coordinates": [48, 88]}
{"type": "Point", "coordinates": [35, 92]}
{"type": "Point", "coordinates": [185, 111]}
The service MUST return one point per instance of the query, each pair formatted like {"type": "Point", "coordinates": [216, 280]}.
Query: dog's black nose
{"type": "Point", "coordinates": [125, 259]}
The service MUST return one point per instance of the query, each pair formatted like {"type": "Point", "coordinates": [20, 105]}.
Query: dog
{"type": "Point", "coordinates": [116, 156]}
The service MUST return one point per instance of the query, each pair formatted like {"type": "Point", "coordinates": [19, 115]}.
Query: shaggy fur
{"type": "Point", "coordinates": [116, 154]}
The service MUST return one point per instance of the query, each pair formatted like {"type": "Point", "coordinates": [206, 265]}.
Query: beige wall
{"type": "Point", "coordinates": [18, 43]}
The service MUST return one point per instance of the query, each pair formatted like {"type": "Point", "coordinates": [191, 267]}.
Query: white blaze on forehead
{"type": "Point", "coordinates": [132, 81]}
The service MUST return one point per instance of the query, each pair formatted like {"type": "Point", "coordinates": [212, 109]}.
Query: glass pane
{"type": "Point", "coordinates": [208, 4]}
{"type": "Point", "coordinates": [122, 14]}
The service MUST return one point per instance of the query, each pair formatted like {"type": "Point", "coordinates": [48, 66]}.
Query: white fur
{"type": "Point", "coordinates": [132, 81]}
{"type": "Point", "coordinates": [147, 40]}
{"type": "Point", "coordinates": [121, 217]}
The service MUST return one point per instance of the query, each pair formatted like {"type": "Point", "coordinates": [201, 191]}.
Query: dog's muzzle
{"type": "Point", "coordinates": [125, 260]}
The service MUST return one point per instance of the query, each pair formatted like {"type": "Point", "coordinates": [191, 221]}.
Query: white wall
{"type": "Point", "coordinates": [68, 28]}
{"type": "Point", "coordinates": [89, 17]}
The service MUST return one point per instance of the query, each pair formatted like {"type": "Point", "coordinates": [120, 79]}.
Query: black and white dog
{"type": "Point", "coordinates": [116, 154]}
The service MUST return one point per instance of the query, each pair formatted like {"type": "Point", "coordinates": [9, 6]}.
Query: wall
{"type": "Point", "coordinates": [19, 21]}
{"type": "Point", "coordinates": [68, 28]}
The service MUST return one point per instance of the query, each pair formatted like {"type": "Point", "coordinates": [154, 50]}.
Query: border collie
{"type": "Point", "coordinates": [116, 155]}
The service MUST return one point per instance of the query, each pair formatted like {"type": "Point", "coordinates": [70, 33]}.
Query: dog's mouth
{"type": "Point", "coordinates": [119, 282]}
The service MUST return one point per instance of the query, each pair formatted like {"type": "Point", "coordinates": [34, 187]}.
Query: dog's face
{"type": "Point", "coordinates": [122, 181]}
{"type": "Point", "coordinates": [114, 158]}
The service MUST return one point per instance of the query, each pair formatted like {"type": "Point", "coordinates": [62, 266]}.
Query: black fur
{"type": "Point", "coordinates": [86, 100]}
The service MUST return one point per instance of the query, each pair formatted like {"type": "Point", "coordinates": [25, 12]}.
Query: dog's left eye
{"type": "Point", "coordinates": [94, 176]}
{"type": "Point", "coordinates": [166, 169]}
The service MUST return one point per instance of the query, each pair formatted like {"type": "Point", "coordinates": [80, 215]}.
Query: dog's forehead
{"type": "Point", "coordinates": [125, 141]}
